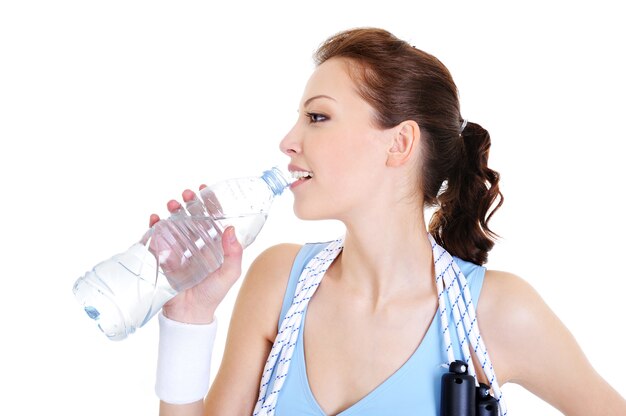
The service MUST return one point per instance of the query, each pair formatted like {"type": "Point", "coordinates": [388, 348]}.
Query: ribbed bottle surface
{"type": "Point", "coordinates": [121, 294]}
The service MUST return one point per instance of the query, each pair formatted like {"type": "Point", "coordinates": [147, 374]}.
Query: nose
{"type": "Point", "coordinates": [290, 144]}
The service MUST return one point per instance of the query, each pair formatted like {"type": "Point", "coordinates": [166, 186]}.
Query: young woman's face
{"type": "Point", "coordinates": [336, 141]}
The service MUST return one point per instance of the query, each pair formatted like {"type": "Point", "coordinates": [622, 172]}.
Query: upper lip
{"type": "Point", "coordinates": [294, 168]}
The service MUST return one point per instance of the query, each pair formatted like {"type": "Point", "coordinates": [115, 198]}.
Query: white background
{"type": "Point", "coordinates": [109, 109]}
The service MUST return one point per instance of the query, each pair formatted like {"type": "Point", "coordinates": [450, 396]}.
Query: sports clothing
{"type": "Point", "coordinates": [414, 389]}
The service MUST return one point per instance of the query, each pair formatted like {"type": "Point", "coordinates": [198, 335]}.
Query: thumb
{"type": "Point", "coordinates": [232, 252]}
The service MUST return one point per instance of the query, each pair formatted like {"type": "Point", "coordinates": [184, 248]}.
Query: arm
{"type": "Point", "coordinates": [530, 346]}
{"type": "Point", "coordinates": [252, 330]}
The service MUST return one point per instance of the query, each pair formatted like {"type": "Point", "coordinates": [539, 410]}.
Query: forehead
{"type": "Point", "coordinates": [331, 78]}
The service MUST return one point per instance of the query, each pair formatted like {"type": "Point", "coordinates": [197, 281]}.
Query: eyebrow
{"type": "Point", "coordinates": [316, 97]}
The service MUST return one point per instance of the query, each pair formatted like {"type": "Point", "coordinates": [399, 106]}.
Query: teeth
{"type": "Point", "coordinates": [297, 174]}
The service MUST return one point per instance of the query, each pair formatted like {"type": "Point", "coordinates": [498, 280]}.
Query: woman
{"type": "Point", "coordinates": [379, 137]}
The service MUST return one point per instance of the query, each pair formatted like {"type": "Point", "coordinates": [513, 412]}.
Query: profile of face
{"type": "Point", "coordinates": [336, 140]}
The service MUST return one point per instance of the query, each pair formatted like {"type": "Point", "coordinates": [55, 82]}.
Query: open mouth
{"type": "Point", "coordinates": [301, 175]}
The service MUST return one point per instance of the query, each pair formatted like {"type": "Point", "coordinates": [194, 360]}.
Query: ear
{"type": "Point", "coordinates": [404, 140]}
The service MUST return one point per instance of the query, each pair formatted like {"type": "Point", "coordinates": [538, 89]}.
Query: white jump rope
{"type": "Point", "coordinates": [447, 273]}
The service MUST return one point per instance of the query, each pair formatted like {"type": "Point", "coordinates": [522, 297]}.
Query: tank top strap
{"type": "Point", "coordinates": [306, 253]}
{"type": "Point", "coordinates": [278, 363]}
{"type": "Point", "coordinates": [456, 295]}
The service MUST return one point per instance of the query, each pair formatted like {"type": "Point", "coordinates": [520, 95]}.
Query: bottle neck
{"type": "Point", "coordinates": [276, 180]}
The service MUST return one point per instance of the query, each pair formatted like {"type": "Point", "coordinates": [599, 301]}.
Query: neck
{"type": "Point", "coordinates": [387, 256]}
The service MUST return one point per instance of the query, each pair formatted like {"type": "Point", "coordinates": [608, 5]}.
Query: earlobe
{"type": "Point", "coordinates": [404, 143]}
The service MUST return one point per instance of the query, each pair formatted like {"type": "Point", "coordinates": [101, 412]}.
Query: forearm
{"type": "Point", "coordinates": [191, 409]}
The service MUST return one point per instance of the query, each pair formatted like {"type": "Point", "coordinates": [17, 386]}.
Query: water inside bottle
{"type": "Point", "coordinates": [190, 248]}
{"type": "Point", "coordinates": [247, 227]}
{"type": "Point", "coordinates": [123, 293]}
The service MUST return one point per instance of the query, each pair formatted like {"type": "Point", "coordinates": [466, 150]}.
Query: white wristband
{"type": "Point", "coordinates": [184, 362]}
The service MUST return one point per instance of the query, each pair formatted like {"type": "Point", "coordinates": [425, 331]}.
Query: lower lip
{"type": "Point", "coordinates": [298, 183]}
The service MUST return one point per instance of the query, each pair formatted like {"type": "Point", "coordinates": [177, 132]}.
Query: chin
{"type": "Point", "coordinates": [309, 213]}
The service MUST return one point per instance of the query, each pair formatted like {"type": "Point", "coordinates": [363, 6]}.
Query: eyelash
{"type": "Point", "coordinates": [314, 117]}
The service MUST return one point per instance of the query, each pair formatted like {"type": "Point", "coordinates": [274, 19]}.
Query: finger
{"type": "Point", "coordinates": [232, 253]}
{"type": "Point", "coordinates": [210, 202]}
{"type": "Point", "coordinates": [202, 186]}
{"type": "Point", "coordinates": [193, 203]}
{"type": "Point", "coordinates": [188, 195]}
{"type": "Point", "coordinates": [174, 207]}
{"type": "Point", "coordinates": [154, 218]}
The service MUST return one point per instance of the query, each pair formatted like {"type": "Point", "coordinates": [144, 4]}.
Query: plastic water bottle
{"type": "Point", "coordinates": [122, 294]}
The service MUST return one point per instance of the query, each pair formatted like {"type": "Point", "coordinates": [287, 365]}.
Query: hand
{"type": "Point", "coordinates": [197, 305]}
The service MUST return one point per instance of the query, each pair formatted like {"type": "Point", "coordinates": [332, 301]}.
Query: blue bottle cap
{"type": "Point", "coordinates": [277, 180]}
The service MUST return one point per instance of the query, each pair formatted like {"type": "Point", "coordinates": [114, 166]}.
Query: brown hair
{"type": "Point", "coordinates": [402, 83]}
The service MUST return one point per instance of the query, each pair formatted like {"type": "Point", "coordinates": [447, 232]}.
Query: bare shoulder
{"type": "Point", "coordinates": [530, 346]}
{"type": "Point", "coordinates": [503, 308]}
{"type": "Point", "coordinates": [512, 315]}
{"type": "Point", "coordinates": [279, 256]}
{"type": "Point", "coordinates": [270, 270]}
{"type": "Point", "coordinates": [265, 283]}
{"type": "Point", "coordinates": [509, 296]}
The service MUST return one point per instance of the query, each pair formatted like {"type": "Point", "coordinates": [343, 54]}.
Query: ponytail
{"type": "Point", "coordinates": [461, 222]}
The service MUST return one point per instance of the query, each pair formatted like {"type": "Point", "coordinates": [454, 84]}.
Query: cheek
{"type": "Point", "coordinates": [347, 165]}
{"type": "Point", "coordinates": [349, 182]}
{"type": "Point", "coordinates": [357, 147]}
{"type": "Point", "coordinates": [362, 157]}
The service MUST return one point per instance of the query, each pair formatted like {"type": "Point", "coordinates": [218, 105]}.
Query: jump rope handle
{"type": "Point", "coordinates": [461, 397]}
{"type": "Point", "coordinates": [486, 404]}
{"type": "Point", "coordinates": [458, 391]}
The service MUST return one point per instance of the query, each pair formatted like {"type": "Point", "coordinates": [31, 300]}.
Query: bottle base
{"type": "Point", "coordinates": [96, 299]}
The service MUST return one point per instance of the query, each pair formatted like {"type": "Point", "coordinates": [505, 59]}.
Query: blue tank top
{"type": "Point", "coordinates": [414, 389]}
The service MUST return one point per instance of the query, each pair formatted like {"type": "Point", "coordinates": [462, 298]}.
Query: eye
{"type": "Point", "coordinates": [316, 117]}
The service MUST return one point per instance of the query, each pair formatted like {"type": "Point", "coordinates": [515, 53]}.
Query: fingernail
{"type": "Point", "coordinates": [173, 205]}
{"type": "Point", "coordinates": [232, 237]}
{"type": "Point", "coordinates": [188, 195]}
